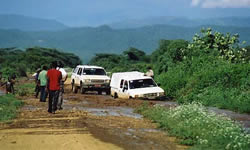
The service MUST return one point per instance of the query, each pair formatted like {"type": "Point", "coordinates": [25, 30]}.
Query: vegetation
{"type": "Point", "coordinates": [8, 107]}
{"type": "Point", "coordinates": [194, 125]}
{"type": "Point", "coordinates": [213, 69]}
{"type": "Point", "coordinates": [25, 89]}
{"type": "Point", "coordinates": [19, 62]}
{"type": "Point", "coordinates": [130, 60]}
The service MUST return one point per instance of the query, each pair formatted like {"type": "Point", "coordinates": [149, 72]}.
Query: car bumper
{"type": "Point", "coordinates": [96, 86]}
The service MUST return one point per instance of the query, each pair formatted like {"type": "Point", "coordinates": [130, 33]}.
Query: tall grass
{"type": "Point", "coordinates": [8, 107]}
{"type": "Point", "coordinates": [209, 81]}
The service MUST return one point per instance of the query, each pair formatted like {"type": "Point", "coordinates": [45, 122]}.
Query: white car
{"type": "Point", "coordinates": [90, 78]}
{"type": "Point", "coordinates": [134, 85]}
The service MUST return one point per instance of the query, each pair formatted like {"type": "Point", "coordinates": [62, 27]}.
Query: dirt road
{"type": "Point", "coordinates": [87, 122]}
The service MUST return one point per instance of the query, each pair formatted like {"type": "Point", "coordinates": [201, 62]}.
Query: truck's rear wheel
{"type": "Point", "coordinates": [115, 96]}
{"type": "Point", "coordinates": [74, 88]}
{"type": "Point", "coordinates": [72, 84]}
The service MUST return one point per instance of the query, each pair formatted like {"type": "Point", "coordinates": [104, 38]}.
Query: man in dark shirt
{"type": "Point", "coordinates": [54, 77]}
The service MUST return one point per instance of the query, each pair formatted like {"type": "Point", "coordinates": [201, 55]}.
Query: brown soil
{"type": "Point", "coordinates": [75, 129]}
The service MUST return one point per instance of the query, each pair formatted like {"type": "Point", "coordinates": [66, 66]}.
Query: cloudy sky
{"type": "Point", "coordinates": [97, 12]}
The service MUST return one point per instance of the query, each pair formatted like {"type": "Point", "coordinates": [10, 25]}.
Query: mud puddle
{"type": "Point", "coordinates": [108, 111]}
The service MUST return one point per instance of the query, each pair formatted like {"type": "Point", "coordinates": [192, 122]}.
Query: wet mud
{"type": "Point", "coordinates": [110, 122]}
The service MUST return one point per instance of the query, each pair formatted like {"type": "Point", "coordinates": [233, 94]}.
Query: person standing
{"type": "Point", "coordinates": [53, 84]}
{"type": "Point", "coordinates": [10, 84]}
{"type": "Point", "coordinates": [64, 78]}
{"type": "Point", "coordinates": [43, 82]}
{"type": "Point", "coordinates": [150, 72]}
{"type": "Point", "coordinates": [37, 89]}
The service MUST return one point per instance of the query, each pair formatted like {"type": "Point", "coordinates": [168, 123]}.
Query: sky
{"type": "Point", "coordinates": [98, 12]}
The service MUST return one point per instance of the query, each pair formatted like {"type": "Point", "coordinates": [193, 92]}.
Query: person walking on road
{"type": "Point", "coordinates": [43, 82]}
{"type": "Point", "coordinates": [64, 78]}
{"type": "Point", "coordinates": [53, 83]}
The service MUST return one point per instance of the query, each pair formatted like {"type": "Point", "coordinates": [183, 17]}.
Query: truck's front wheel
{"type": "Point", "coordinates": [99, 92]}
{"type": "Point", "coordinates": [108, 92]}
{"type": "Point", "coordinates": [82, 89]}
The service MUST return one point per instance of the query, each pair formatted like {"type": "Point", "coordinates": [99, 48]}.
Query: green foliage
{"type": "Point", "coordinates": [8, 107]}
{"type": "Point", "coordinates": [168, 54]}
{"type": "Point", "coordinates": [131, 60]}
{"type": "Point", "coordinates": [26, 89]}
{"type": "Point", "coordinates": [194, 125]}
{"type": "Point", "coordinates": [134, 54]}
{"type": "Point", "coordinates": [201, 75]}
{"type": "Point", "coordinates": [19, 62]}
{"type": "Point", "coordinates": [226, 45]}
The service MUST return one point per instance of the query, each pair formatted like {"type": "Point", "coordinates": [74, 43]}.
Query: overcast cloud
{"type": "Point", "coordinates": [221, 3]}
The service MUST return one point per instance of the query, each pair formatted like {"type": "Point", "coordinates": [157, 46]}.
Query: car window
{"type": "Point", "coordinates": [121, 84]}
{"type": "Point", "coordinates": [79, 71]}
{"type": "Point", "coordinates": [75, 70]}
{"type": "Point", "coordinates": [126, 85]}
{"type": "Point", "coordinates": [94, 71]}
{"type": "Point", "coordinates": [143, 83]}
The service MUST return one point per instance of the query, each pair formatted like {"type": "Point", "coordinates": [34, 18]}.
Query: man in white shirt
{"type": "Point", "coordinates": [64, 78]}
{"type": "Point", "coordinates": [150, 72]}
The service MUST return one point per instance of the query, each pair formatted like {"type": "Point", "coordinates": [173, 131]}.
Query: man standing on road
{"type": "Point", "coordinates": [53, 83]}
{"type": "Point", "coordinates": [43, 82]}
{"type": "Point", "coordinates": [64, 78]}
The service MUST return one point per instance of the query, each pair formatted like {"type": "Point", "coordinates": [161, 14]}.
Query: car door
{"type": "Point", "coordinates": [78, 75]}
{"type": "Point", "coordinates": [123, 90]}
{"type": "Point", "coordinates": [74, 73]}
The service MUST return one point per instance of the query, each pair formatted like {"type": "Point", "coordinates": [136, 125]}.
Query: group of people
{"type": "Point", "coordinates": [51, 82]}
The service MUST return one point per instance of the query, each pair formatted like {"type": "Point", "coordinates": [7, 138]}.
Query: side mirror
{"type": "Point", "coordinates": [158, 84]}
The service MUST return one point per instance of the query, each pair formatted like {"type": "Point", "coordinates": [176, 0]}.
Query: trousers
{"type": "Point", "coordinates": [53, 99]}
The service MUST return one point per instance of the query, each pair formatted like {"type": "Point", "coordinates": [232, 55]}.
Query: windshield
{"type": "Point", "coordinates": [93, 71]}
{"type": "Point", "coordinates": [142, 83]}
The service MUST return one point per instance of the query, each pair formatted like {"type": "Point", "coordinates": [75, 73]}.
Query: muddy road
{"type": "Point", "coordinates": [87, 122]}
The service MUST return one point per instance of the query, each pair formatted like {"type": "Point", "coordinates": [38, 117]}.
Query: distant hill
{"type": "Point", "coordinates": [25, 23]}
{"type": "Point", "coordinates": [87, 41]}
{"type": "Point", "coordinates": [182, 21]}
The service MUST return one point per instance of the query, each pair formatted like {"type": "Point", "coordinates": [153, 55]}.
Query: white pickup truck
{"type": "Point", "coordinates": [90, 78]}
{"type": "Point", "coordinates": [134, 85]}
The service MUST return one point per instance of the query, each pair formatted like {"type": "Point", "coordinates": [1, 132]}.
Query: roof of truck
{"type": "Point", "coordinates": [135, 75]}
{"type": "Point", "coordinates": [88, 66]}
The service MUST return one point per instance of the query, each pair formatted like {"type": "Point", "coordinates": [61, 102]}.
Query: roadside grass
{"type": "Point", "coordinates": [8, 107]}
{"type": "Point", "coordinates": [195, 126]}
{"type": "Point", "coordinates": [25, 89]}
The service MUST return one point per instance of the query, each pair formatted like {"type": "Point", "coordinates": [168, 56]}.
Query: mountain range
{"type": "Point", "coordinates": [87, 41]}
{"type": "Point", "coordinates": [182, 21]}
{"type": "Point", "coordinates": [26, 23]}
